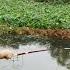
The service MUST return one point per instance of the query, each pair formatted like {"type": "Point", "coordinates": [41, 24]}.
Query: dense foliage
{"type": "Point", "coordinates": [54, 1]}
{"type": "Point", "coordinates": [34, 14]}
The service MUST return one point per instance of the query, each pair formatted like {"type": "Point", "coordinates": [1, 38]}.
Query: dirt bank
{"type": "Point", "coordinates": [51, 33]}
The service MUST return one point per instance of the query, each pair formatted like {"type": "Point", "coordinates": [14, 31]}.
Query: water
{"type": "Point", "coordinates": [55, 58]}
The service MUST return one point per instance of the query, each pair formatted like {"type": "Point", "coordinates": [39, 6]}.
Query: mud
{"type": "Point", "coordinates": [50, 33]}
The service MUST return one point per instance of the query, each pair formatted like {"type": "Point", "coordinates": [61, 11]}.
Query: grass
{"type": "Point", "coordinates": [19, 13]}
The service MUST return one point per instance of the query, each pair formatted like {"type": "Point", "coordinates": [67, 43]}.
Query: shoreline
{"type": "Point", "coordinates": [49, 33]}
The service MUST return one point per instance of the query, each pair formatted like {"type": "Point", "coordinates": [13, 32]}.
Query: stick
{"type": "Point", "coordinates": [31, 52]}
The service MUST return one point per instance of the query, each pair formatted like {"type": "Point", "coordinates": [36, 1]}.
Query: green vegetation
{"type": "Point", "coordinates": [54, 1]}
{"type": "Point", "coordinates": [18, 13]}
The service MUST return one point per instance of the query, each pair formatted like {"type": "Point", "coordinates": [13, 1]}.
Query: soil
{"type": "Point", "coordinates": [50, 33]}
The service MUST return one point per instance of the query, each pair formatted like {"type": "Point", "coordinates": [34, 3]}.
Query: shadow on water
{"type": "Point", "coordinates": [59, 50]}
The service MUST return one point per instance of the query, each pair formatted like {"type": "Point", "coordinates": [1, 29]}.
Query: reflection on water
{"type": "Point", "coordinates": [59, 51]}
{"type": "Point", "coordinates": [55, 58]}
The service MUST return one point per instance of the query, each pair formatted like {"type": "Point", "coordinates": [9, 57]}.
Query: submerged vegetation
{"type": "Point", "coordinates": [33, 14]}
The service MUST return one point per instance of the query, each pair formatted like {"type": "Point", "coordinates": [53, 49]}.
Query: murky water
{"type": "Point", "coordinates": [55, 58]}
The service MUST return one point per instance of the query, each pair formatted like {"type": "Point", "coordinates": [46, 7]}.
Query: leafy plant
{"type": "Point", "coordinates": [28, 13]}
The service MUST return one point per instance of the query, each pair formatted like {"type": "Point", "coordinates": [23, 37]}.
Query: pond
{"type": "Point", "coordinates": [56, 57]}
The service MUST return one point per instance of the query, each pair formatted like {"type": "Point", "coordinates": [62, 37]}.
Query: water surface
{"type": "Point", "coordinates": [55, 58]}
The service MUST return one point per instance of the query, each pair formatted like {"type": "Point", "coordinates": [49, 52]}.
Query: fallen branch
{"type": "Point", "coordinates": [31, 52]}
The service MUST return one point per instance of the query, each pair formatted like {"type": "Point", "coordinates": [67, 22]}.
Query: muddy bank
{"type": "Point", "coordinates": [50, 33]}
